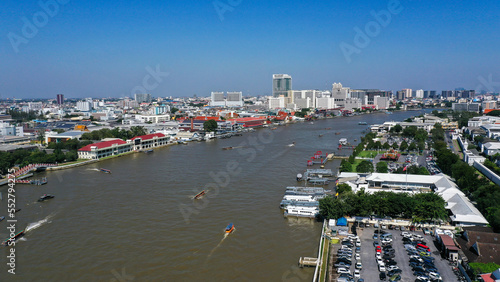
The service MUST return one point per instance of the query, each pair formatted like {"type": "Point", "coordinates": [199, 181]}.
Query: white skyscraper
{"type": "Point", "coordinates": [217, 99]}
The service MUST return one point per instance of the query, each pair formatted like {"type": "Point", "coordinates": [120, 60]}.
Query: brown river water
{"type": "Point", "coordinates": [140, 223]}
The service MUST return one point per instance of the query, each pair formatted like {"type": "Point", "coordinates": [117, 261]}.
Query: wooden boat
{"type": "Point", "coordinates": [227, 148]}
{"type": "Point", "coordinates": [199, 195]}
{"type": "Point", "coordinates": [13, 238]}
{"type": "Point", "coordinates": [337, 133]}
{"type": "Point", "coordinates": [229, 228]}
{"type": "Point", "coordinates": [105, 170]}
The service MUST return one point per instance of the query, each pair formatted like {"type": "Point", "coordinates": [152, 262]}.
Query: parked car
{"type": "Point", "coordinates": [359, 265]}
{"type": "Point", "coordinates": [382, 276]}
{"type": "Point", "coordinates": [427, 231]}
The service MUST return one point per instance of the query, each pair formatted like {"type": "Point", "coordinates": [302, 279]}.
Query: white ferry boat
{"type": "Point", "coordinates": [302, 211]}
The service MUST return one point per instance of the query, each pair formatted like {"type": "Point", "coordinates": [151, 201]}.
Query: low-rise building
{"type": "Point", "coordinates": [149, 141]}
{"type": "Point", "coordinates": [104, 149]}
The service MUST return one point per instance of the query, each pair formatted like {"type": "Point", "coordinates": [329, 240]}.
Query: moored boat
{"type": "Point", "coordinates": [13, 238]}
{"type": "Point", "coordinates": [229, 228]}
{"type": "Point", "coordinates": [105, 170]}
{"type": "Point", "coordinates": [149, 151]}
{"type": "Point", "coordinates": [199, 195]}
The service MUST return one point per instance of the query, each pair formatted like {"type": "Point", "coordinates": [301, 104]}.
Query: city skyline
{"type": "Point", "coordinates": [94, 49]}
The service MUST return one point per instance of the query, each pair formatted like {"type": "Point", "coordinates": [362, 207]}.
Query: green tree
{"type": "Point", "coordinates": [210, 125]}
{"type": "Point", "coordinates": [345, 166]}
{"type": "Point", "coordinates": [382, 167]}
{"type": "Point", "coordinates": [412, 147]}
{"type": "Point", "coordinates": [343, 188]}
{"type": "Point", "coordinates": [409, 131]}
{"type": "Point", "coordinates": [331, 208]}
{"type": "Point", "coordinates": [404, 146]}
{"type": "Point", "coordinates": [174, 110]}
{"type": "Point", "coordinates": [365, 166]}
{"type": "Point", "coordinates": [397, 128]}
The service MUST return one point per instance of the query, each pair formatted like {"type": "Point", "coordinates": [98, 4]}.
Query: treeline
{"type": "Point", "coordinates": [21, 116]}
{"type": "Point", "coordinates": [476, 186]}
{"type": "Point", "coordinates": [418, 207]}
{"type": "Point", "coordinates": [115, 133]}
{"type": "Point", "coordinates": [24, 157]}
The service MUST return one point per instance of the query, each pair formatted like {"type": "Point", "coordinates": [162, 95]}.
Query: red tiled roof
{"type": "Point", "coordinates": [449, 243]}
{"type": "Point", "coordinates": [104, 144]}
{"type": "Point", "coordinates": [487, 277]}
{"type": "Point", "coordinates": [149, 136]}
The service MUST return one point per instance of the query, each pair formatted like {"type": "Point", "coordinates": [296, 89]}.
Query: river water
{"type": "Point", "coordinates": [140, 222]}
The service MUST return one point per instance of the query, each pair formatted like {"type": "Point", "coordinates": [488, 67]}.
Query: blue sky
{"type": "Point", "coordinates": [102, 49]}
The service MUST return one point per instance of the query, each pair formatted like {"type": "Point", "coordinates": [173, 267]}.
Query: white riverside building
{"type": "Point", "coordinates": [463, 212]}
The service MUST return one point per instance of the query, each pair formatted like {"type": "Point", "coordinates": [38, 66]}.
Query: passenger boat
{"type": "Point", "coordinates": [229, 228]}
{"type": "Point", "coordinates": [13, 238]}
{"type": "Point", "coordinates": [199, 195]}
{"type": "Point", "coordinates": [46, 197]}
{"type": "Point", "coordinates": [105, 170]}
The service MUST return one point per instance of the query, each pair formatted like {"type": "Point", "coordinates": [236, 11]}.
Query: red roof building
{"type": "Point", "coordinates": [104, 149]}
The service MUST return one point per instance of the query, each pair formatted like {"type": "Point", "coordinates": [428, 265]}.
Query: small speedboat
{"type": "Point", "coordinates": [45, 197]}
{"type": "Point", "coordinates": [227, 148]}
{"type": "Point", "coordinates": [2, 218]}
{"type": "Point", "coordinates": [105, 170]}
{"type": "Point", "coordinates": [229, 228]}
{"type": "Point", "coordinates": [321, 135]}
{"type": "Point", "coordinates": [13, 238]}
{"type": "Point", "coordinates": [199, 195]}
{"type": "Point", "coordinates": [149, 151]}
{"type": "Point", "coordinates": [17, 210]}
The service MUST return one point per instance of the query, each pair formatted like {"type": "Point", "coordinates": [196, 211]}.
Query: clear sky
{"type": "Point", "coordinates": [104, 48]}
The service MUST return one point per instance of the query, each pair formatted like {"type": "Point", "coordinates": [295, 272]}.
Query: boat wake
{"type": "Point", "coordinates": [220, 243]}
{"type": "Point", "coordinates": [35, 225]}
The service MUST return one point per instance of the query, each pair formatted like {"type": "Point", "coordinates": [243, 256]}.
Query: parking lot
{"type": "Point", "coordinates": [370, 270]}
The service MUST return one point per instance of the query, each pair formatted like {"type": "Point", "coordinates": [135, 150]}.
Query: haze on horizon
{"type": "Point", "coordinates": [101, 49]}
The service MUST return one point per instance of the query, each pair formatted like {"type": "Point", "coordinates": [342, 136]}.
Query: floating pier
{"type": "Point", "coordinates": [307, 261]}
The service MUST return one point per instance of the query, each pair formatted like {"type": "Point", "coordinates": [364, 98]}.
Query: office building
{"type": "Point", "coordinates": [84, 106]}
{"type": "Point", "coordinates": [217, 99]}
{"type": "Point", "coordinates": [143, 98]}
{"type": "Point", "coordinates": [282, 83]}
{"type": "Point", "coordinates": [234, 99]}
{"type": "Point", "coordinates": [340, 94]}
{"type": "Point", "coordinates": [60, 99]}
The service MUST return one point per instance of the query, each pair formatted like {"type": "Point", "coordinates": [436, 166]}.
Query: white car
{"type": "Point", "coordinates": [392, 267]}
{"type": "Point", "coordinates": [358, 256]}
{"type": "Point", "coordinates": [358, 243]}
{"type": "Point", "coordinates": [380, 261]}
{"type": "Point", "coordinates": [381, 268]}
{"type": "Point", "coordinates": [359, 265]}
{"type": "Point", "coordinates": [357, 273]}
{"type": "Point", "coordinates": [405, 234]}
{"type": "Point", "coordinates": [343, 270]}
{"type": "Point", "coordinates": [434, 275]}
